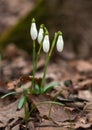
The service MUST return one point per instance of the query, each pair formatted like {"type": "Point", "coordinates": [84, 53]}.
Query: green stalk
{"type": "Point", "coordinates": [48, 59]}
{"type": "Point", "coordinates": [53, 44]}
{"type": "Point", "coordinates": [45, 69]}
{"type": "Point", "coordinates": [34, 64]}
{"type": "Point", "coordinates": [35, 61]}
{"type": "Point", "coordinates": [38, 54]}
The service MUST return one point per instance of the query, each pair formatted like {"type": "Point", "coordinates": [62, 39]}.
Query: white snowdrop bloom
{"type": "Point", "coordinates": [46, 44]}
{"type": "Point", "coordinates": [60, 43]}
{"type": "Point", "coordinates": [40, 35]}
{"type": "Point", "coordinates": [33, 30]}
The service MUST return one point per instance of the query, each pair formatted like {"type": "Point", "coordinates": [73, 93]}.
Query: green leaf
{"type": "Point", "coordinates": [50, 86]}
{"type": "Point", "coordinates": [21, 102]}
{"type": "Point", "coordinates": [37, 89]}
{"type": "Point", "coordinates": [8, 94]}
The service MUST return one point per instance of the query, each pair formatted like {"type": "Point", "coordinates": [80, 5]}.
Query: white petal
{"type": "Point", "coordinates": [33, 31]}
{"type": "Point", "coordinates": [60, 43]}
{"type": "Point", "coordinates": [46, 44]}
{"type": "Point", "coordinates": [40, 35]}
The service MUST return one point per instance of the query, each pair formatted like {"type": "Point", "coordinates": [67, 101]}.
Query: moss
{"type": "Point", "coordinates": [19, 34]}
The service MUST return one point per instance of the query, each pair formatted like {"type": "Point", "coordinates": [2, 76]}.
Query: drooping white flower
{"type": "Point", "coordinates": [60, 43]}
{"type": "Point", "coordinates": [46, 43]}
{"type": "Point", "coordinates": [40, 34]}
{"type": "Point", "coordinates": [33, 30]}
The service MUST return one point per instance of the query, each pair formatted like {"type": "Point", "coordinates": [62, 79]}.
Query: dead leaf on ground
{"type": "Point", "coordinates": [84, 66]}
{"type": "Point", "coordinates": [58, 112]}
{"type": "Point", "coordinates": [51, 128]}
{"type": "Point", "coordinates": [80, 126]}
{"type": "Point", "coordinates": [85, 94]}
{"type": "Point", "coordinates": [10, 114]}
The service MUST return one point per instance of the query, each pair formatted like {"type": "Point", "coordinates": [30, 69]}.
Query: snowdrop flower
{"type": "Point", "coordinates": [40, 34]}
{"type": "Point", "coordinates": [33, 30]}
{"type": "Point", "coordinates": [60, 42]}
{"type": "Point", "coordinates": [46, 43]}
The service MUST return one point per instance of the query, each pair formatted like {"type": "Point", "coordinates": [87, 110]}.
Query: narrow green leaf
{"type": "Point", "coordinates": [8, 94]}
{"type": "Point", "coordinates": [37, 89]}
{"type": "Point", "coordinates": [50, 86]}
{"type": "Point", "coordinates": [21, 102]}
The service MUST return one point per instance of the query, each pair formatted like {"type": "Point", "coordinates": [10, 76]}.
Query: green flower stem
{"type": "Point", "coordinates": [35, 60]}
{"type": "Point", "coordinates": [45, 69]}
{"type": "Point", "coordinates": [40, 48]}
{"type": "Point", "coordinates": [38, 54]}
{"type": "Point", "coordinates": [53, 44]}
{"type": "Point", "coordinates": [34, 63]}
{"type": "Point", "coordinates": [47, 60]}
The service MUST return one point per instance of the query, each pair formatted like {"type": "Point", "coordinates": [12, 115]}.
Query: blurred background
{"type": "Point", "coordinates": [73, 18]}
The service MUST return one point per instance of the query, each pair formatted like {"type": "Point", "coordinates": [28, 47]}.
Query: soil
{"type": "Point", "coordinates": [67, 106]}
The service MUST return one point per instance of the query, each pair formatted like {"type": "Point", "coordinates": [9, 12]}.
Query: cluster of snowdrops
{"type": "Point", "coordinates": [42, 37]}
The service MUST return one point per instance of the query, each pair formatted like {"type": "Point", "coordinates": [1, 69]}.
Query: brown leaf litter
{"type": "Point", "coordinates": [74, 95]}
{"type": "Point", "coordinates": [10, 114]}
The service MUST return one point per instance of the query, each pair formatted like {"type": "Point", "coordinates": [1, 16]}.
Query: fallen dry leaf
{"type": "Point", "coordinates": [58, 112]}
{"type": "Point", "coordinates": [51, 128]}
{"type": "Point", "coordinates": [85, 94]}
{"type": "Point", "coordinates": [84, 66]}
{"type": "Point", "coordinates": [10, 112]}
{"type": "Point", "coordinates": [80, 126]}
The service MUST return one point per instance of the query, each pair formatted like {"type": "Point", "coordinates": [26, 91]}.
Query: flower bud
{"type": "Point", "coordinates": [46, 43]}
{"type": "Point", "coordinates": [60, 43]}
{"type": "Point", "coordinates": [40, 34]}
{"type": "Point", "coordinates": [33, 30]}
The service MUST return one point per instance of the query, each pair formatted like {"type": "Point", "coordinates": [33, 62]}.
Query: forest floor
{"type": "Point", "coordinates": [12, 11]}
{"type": "Point", "coordinates": [73, 110]}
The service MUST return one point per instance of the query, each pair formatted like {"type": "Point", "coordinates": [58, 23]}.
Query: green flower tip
{"type": "Point", "coordinates": [46, 31]}
{"type": "Point", "coordinates": [59, 33]}
{"type": "Point", "coordinates": [42, 26]}
{"type": "Point", "coordinates": [33, 20]}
